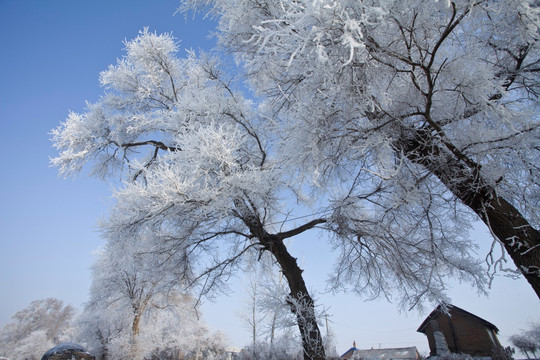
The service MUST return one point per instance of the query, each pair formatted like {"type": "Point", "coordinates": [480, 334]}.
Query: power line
{"type": "Point", "coordinates": [300, 217]}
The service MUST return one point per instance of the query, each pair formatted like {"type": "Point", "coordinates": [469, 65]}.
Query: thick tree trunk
{"type": "Point", "coordinates": [138, 310]}
{"type": "Point", "coordinates": [520, 239]}
{"type": "Point", "coordinates": [135, 325]}
{"type": "Point", "coordinates": [302, 305]}
{"type": "Point", "coordinates": [133, 348]}
{"type": "Point", "coordinates": [462, 177]}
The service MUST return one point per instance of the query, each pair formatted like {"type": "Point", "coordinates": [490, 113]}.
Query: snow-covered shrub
{"type": "Point", "coordinates": [452, 356]}
{"type": "Point", "coordinates": [35, 329]}
{"type": "Point", "coordinates": [283, 348]}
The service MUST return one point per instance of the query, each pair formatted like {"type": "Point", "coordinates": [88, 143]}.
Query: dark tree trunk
{"type": "Point", "coordinates": [302, 305]}
{"type": "Point", "coordinates": [104, 344]}
{"type": "Point", "coordinates": [462, 176]}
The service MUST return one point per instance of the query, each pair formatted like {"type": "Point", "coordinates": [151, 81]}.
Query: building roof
{"type": "Point", "coordinates": [382, 354]}
{"type": "Point", "coordinates": [447, 308]}
{"type": "Point", "coordinates": [347, 354]}
{"type": "Point", "coordinates": [67, 350]}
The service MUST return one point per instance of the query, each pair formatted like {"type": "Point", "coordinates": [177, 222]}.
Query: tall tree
{"type": "Point", "coordinates": [250, 314]}
{"type": "Point", "coordinates": [135, 308]}
{"type": "Point", "coordinates": [427, 109]}
{"type": "Point", "coordinates": [194, 155]}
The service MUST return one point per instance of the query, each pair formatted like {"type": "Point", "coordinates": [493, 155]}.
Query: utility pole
{"type": "Point", "coordinates": [326, 318]}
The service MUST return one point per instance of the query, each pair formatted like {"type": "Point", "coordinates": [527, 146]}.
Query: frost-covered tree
{"type": "Point", "coordinates": [135, 308]}
{"type": "Point", "coordinates": [274, 302]}
{"type": "Point", "coordinates": [250, 314]}
{"type": "Point", "coordinates": [418, 117]}
{"type": "Point", "coordinates": [528, 342]}
{"type": "Point", "coordinates": [264, 310]}
{"type": "Point", "coordinates": [267, 314]}
{"type": "Point", "coordinates": [194, 157]}
{"type": "Point", "coordinates": [35, 329]}
{"type": "Point", "coordinates": [122, 289]}
{"type": "Point", "coordinates": [284, 347]}
{"type": "Point", "coordinates": [168, 331]}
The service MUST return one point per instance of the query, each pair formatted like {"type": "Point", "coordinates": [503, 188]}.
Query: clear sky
{"type": "Point", "coordinates": [51, 52]}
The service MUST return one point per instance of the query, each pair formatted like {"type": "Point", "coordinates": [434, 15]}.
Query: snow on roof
{"type": "Point", "coordinates": [348, 353]}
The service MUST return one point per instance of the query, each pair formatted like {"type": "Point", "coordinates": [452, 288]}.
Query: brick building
{"type": "Point", "coordinates": [454, 330]}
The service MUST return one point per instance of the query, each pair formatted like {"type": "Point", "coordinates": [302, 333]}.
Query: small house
{"type": "Point", "coordinates": [450, 329]}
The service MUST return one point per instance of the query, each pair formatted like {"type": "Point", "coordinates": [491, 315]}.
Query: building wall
{"type": "Point", "coordinates": [463, 334]}
{"type": "Point", "coordinates": [431, 340]}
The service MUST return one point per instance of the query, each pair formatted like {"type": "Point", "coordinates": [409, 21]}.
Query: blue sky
{"type": "Point", "coordinates": [51, 52]}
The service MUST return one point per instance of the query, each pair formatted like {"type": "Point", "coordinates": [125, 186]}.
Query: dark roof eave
{"type": "Point", "coordinates": [438, 310]}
